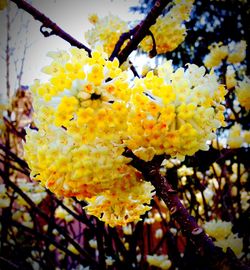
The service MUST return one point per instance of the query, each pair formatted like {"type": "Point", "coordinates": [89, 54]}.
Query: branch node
{"type": "Point", "coordinates": [172, 191]}
{"type": "Point", "coordinates": [46, 33]}
{"type": "Point", "coordinates": [157, 4]}
{"type": "Point", "coordinates": [197, 231]}
{"type": "Point", "coordinates": [173, 210]}
{"type": "Point", "coordinates": [152, 172]}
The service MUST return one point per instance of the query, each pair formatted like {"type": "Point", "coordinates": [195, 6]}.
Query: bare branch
{"type": "Point", "coordinates": [43, 237]}
{"type": "Point", "coordinates": [20, 74]}
{"type": "Point", "coordinates": [7, 53]}
{"type": "Point", "coordinates": [45, 216]}
{"type": "Point", "coordinates": [48, 23]}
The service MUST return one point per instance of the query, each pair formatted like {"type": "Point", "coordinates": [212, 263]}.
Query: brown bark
{"type": "Point", "coordinates": [142, 29]}
{"type": "Point", "coordinates": [215, 257]}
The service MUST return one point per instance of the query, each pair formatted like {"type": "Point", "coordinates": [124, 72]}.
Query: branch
{"type": "Point", "coordinates": [7, 53]}
{"type": "Point", "coordinates": [42, 236]}
{"type": "Point", "coordinates": [165, 191]}
{"type": "Point", "coordinates": [37, 210]}
{"type": "Point", "coordinates": [13, 157]}
{"type": "Point", "coordinates": [8, 264]}
{"type": "Point", "coordinates": [20, 74]}
{"type": "Point", "coordinates": [141, 30]}
{"type": "Point", "coordinates": [215, 256]}
{"type": "Point", "coordinates": [48, 23]}
{"type": "Point", "coordinates": [55, 29]}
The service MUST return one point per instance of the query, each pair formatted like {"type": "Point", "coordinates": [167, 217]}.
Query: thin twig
{"type": "Point", "coordinates": [45, 216]}
{"type": "Point", "coordinates": [7, 53]}
{"type": "Point", "coordinates": [42, 237]}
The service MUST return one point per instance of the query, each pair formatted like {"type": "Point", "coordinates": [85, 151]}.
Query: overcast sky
{"type": "Point", "coordinates": [72, 16]}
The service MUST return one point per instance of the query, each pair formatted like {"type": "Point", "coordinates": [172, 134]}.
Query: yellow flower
{"type": "Point", "coordinates": [78, 55]}
{"type": "Point", "coordinates": [60, 57]}
{"type": "Point", "coordinates": [234, 52]}
{"type": "Point", "coordinates": [109, 261]}
{"type": "Point", "coordinates": [218, 229]}
{"type": "Point", "coordinates": [124, 204]}
{"type": "Point", "coordinates": [96, 75]}
{"type": "Point", "coordinates": [63, 214]}
{"type": "Point", "coordinates": [75, 71]}
{"type": "Point", "coordinates": [243, 92]}
{"type": "Point", "coordinates": [186, 111]}
{"type": "Point", "coordinates": [185, 171]}
{"type": "Point", "coordinates": [230, 77]}
{"type": "Point", "coordinates": [169, 31]}
{"type": "Point", "coordinates": [93, 243]}
{"type": "Point", "coordinates": [54, 69]}
{"type": "Point", "coordinates": [171, 112]}
{"type": "Point", "coordinates": [73, 249]}
{"type": "Point", "coordinates": [237, 51]}
{"type": "Point", "coordinates": [235, 137]}
{"type": "Point", "coordinates": [233, 242]}
{"type": "Point", "coordinates": [93, 18]}
{"type": "Point", "coordinates": [160, 261]}
{"type": "Point", "coordinates": [88, 112]}
{"type": "Point", "coordinates": [61, 81]}
{"type": "Point", "coordinates": [244, 199]}
{"type": "Point", "coordinates": [4, 199]}
{"type": "Point", "coordinates": [218, 52]}
{"type": "Point", "coordinates": [158, 234]}
{"type": "Point", "coordinates": [68, 103]}
{"type": "Point", "coordinates": [32, 189]}
{"type": "Point", "coordinates": [106, 31]}
{"type": "Point", "coordinates": [127, 229]}
{"type": "Point", "coordinates": [83, 124]}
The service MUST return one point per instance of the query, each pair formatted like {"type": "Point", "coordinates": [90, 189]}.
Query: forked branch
{"type": "Point", "coordinates": [141, 30]}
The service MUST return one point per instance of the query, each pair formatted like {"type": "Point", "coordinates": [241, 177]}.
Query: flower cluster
{"type": "Point", "coordinates": [243, 92]}
{"type": "Point", "coordinates": [243, 174]}
{"type": "Point", "coordinates": [234, 52]}
{"type": "Point", "coordinates": [116, 207]}
{"type": "Point", "coordinates": [174, 112]}
{"type": "Point", "coordinates": [233, 242]}
{"type": "Point", "coordinates": [230, 77]}
{"type": "Point", "coordinates": [88, 112]}
{"type": "Point", "coordinates": [224, 238]}
{"type": "Point", "coordinates": [169, 31]}
{"type": "Point", "coordinates": [160, 261]}
{"type": "Point", "coordinates": [218, 229]}
{"type": "Point", "coordinates": [215, 179]}
{"type": "Point", "coordinates": [81, 116]}
{"type": "Point", "coordinates": [35, 192]}
{"type": "Point", "coordinates": [106, 31]}
{"type": "Point", "coordinates": [218, 52]}
{"type": "Point", "coordinates": [20, 208]}
{"type": "Point", "coordinates": [238, 137]}
{"type": "Point", "coordinates": [62, 213]}
{"type": "Point", "coordinates": [245, 199]}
